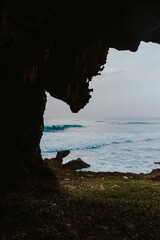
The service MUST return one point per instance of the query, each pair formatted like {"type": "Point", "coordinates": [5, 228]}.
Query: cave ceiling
{"type": "Point", "coordinates": [61, 45]}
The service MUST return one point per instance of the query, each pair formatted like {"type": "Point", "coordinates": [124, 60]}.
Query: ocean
{"type": "Point", "coordinates": [123, 145]}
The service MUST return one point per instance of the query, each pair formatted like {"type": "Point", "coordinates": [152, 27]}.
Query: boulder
{"type": "Point", "coordinates": [53, 162]}
{"type": "Point", "coordinates": [75, 164]}
{"type": "Point", "coordinates": [153, 175]}
{"type": "Point", "coordinates": [57, 161]}
{"type": "Point", "coordinates": [62, 154]}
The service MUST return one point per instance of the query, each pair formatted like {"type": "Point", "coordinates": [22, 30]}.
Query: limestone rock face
{"type": "Point", "coordinates": [58, 46]}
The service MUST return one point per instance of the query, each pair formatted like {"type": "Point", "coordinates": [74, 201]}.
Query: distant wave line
{"type": "Point", "coordinates": [137, 123]}
{"type": "Point", "coordinates": [129, 122]}
{"type": "Point", "coordinates": [56, 128]}
{"type": "Point", "coordinates": [97, 145]}
{"type": "Point", "coordinates": [94, 146]}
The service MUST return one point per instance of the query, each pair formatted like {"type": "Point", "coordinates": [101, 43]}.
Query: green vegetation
{"type": "Point", "coordinates": [94, 208]}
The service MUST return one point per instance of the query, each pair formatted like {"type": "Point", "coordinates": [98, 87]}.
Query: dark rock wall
{"type": "Point", "coordinates": [58, 46]}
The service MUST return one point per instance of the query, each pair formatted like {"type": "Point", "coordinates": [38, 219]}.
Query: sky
{"type": "Point", "coordinates": [128, 87]}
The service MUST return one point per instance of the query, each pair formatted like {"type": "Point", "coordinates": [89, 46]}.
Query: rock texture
{"type": "Point", "coordinates": [75, 164]}
{"type": "Point", "coordinates": [58, 46]}
{"type": "Point", "coordinates": [56, 164]}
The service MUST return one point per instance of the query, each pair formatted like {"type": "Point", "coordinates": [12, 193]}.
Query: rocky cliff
{"type": "Point", "coordinates": [58, 46]}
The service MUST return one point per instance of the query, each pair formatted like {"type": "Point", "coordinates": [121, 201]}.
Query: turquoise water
{"type": "Point", "coordinates": [125, 145]}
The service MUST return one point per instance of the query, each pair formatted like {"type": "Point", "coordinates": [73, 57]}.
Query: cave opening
{"type": "Point", "coordinates": [119, 128]}
{"type": "Point", "coordinates": [57, 47]}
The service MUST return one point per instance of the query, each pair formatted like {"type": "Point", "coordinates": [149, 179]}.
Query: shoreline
{"type": "Point", "coordinates": [78, 167]}
{"type": "Point", "coordinates": [62, 175]}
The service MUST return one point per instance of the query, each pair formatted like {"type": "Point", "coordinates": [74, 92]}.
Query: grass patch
{"type": "Point", "coordinates": [85, 208]}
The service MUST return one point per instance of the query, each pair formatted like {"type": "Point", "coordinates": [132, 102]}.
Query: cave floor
{"type": "Point", "coordinates": [85, 205]}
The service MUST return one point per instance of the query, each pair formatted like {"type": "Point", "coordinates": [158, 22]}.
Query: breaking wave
{"type": "Point", "coordinates": [56, 128]}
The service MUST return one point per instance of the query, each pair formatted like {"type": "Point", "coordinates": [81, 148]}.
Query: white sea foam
{"type": "Point", "coordinates": [107, 145]}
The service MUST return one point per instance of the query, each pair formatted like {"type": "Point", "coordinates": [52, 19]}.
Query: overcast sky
{"type": "Point", "coordinates": [129, 86]}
